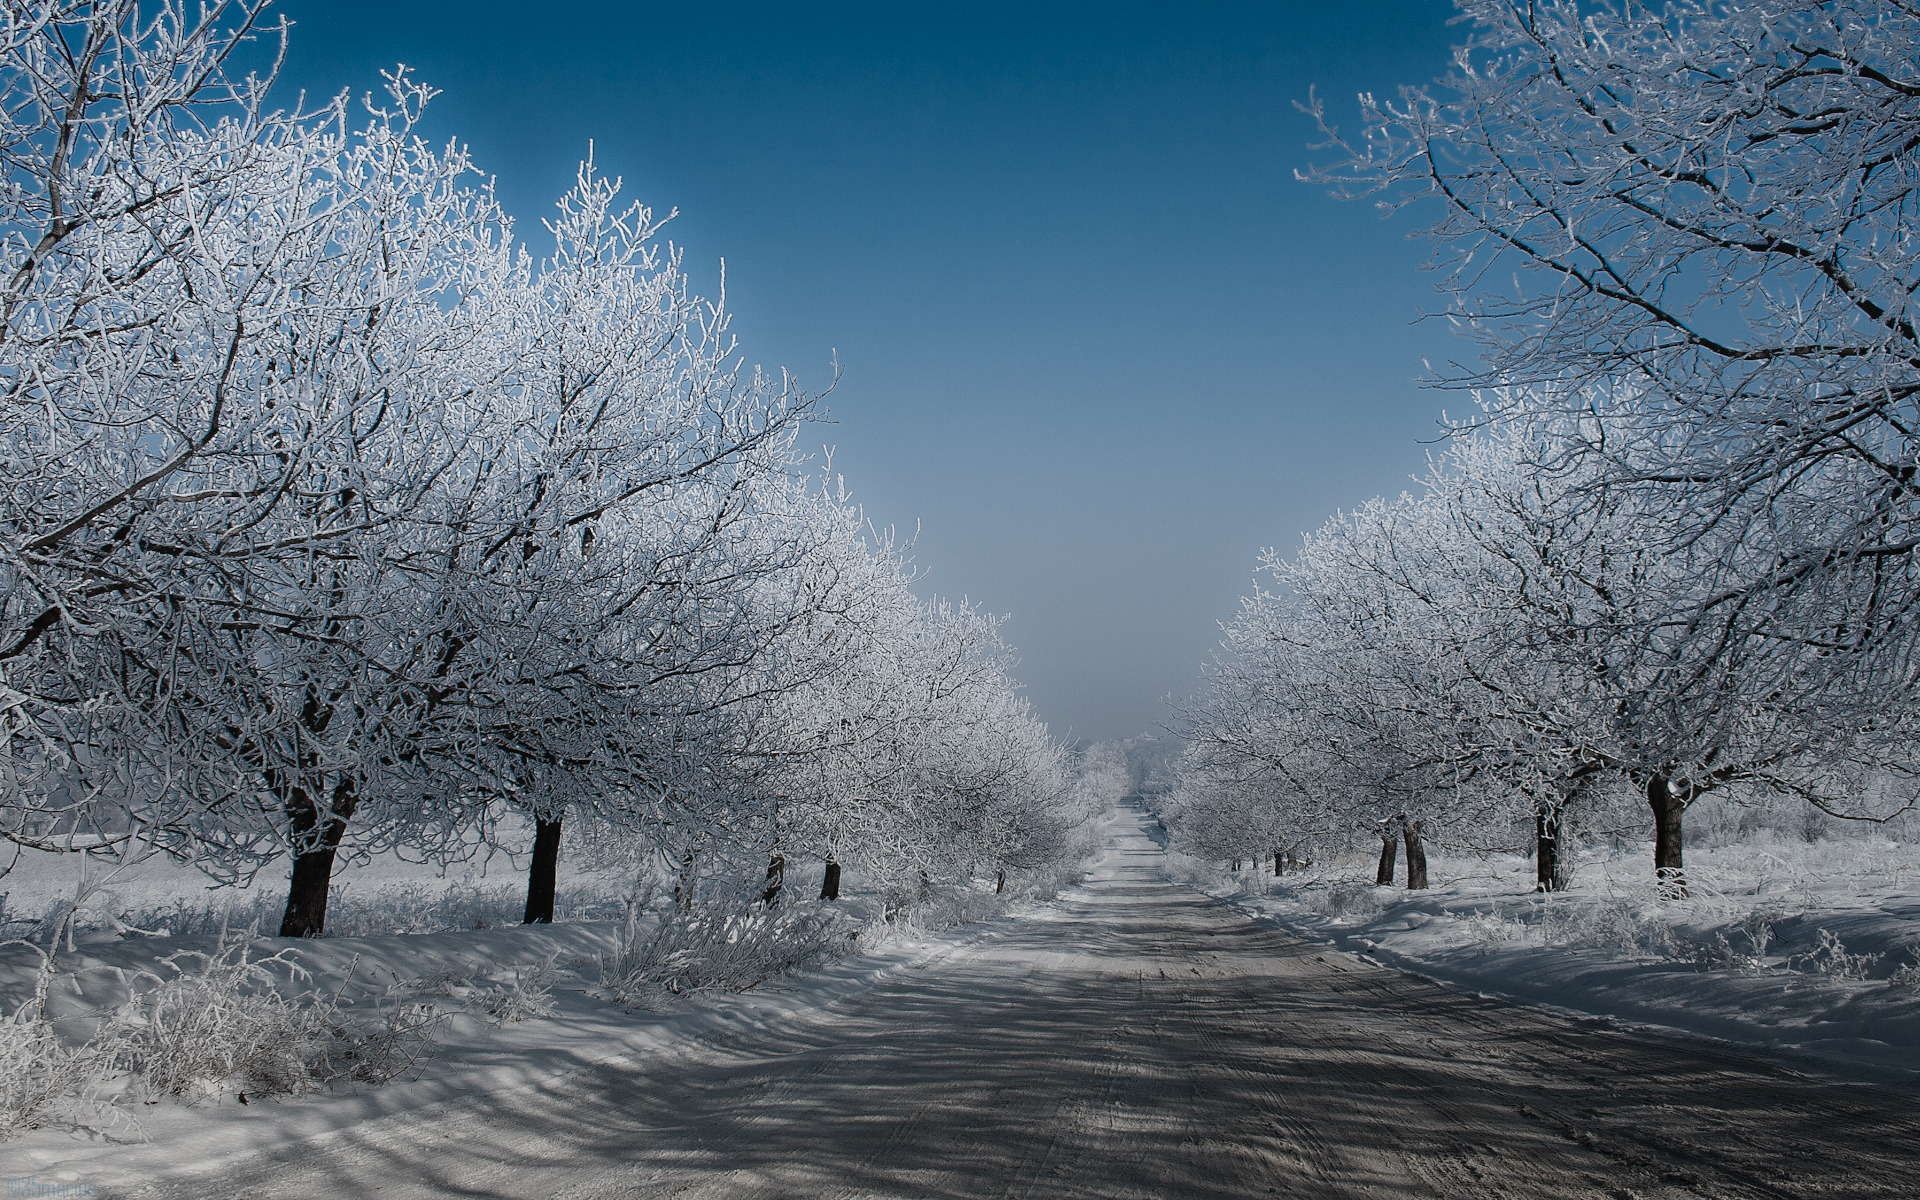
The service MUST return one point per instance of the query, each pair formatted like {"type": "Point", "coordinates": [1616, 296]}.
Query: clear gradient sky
{"type": "Point", "coordinates": [1099, 346]}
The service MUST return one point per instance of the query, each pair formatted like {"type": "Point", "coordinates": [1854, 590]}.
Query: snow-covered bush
{"type": "Point", "coordinates": [1491, 931]}
{"type": "Point", "coordinates": [940, 908]}
{"type": "Point", "coordinates": [1754, 933]}
{"type": "Point", "coordinates": [1830, 958]}
{"type": "Point", "coordinates": [220, 1021]}
{"type": "Point", "coordinates": [1046, 882]}
{"type": "Point", "coordinates": [1348, 900]}
{"type": "Point", "coordinates": [529, 995]}
{"type": "Point", "coordinates": [720, 948]}
{"type": "Point", "coordinates": [1205, 874]}
{"type": "Point", "coordinates": [376, 910]}
{"type": "Point", "coordinates": [1623, 926]}
{"type": "Point", "coordinates": [216, 1022]}
{"type": "Point", "coordinates": [44, 1081]}
{"type": "Point", "coordinates": [217, 1019]}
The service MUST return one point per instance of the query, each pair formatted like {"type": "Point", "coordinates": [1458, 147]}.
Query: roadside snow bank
{"type": "Point", "coordinates": [578, 1029]}
{"type": "Point", "coordinates": [1808, 949]}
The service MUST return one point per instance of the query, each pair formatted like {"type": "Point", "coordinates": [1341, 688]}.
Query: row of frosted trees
{"type": "Point", "coordinates": [1507, 645]}
{"type": "Point", "coordinates": [1676, 554]}
{"type": "Point", "coordinates": [336, 521]}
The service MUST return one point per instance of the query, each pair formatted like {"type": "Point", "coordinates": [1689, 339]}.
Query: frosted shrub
{"type": "Point", "coordinates": [1830, 958]}
{"type": "Point", "coordinates": [422, 908]}
{"type": "Point", "coordinates": [1347, 900]}
{"type": "Point", "coordinates": [529, 995]}
{"type": "Point", "coordinates": [203, 1023]}
{"type": "Point", "coordinates": [1909, 974]}
{"type": "Point", "coordinates": [224, 1023]}
{"type": "Point", "coordinates": [195, 918]}
{"type": "Point", "coordinates": [1748, 954]}
{"type": "Point", "coordinates": [43, 1081]}
{"type": "Point", "coordinates": [1197, 872]}
{"type": "Point", "coordinates": [942, 908]}
{"type": "Point", "coordinates": [719, 949]}
{"type": "Point", "coordinates": [395, 1043]}
{"type": "Point", "coordinates": [1721, 955]}
{"type": "Point", "coordinates": [1619, 926]}
{"type": "Point", "coordinates": [375, 912]}
{"type": "Point", "coordinates": [1757, 928]}
{"type": "Point", "coordinates": [1046, 882]}
{"type": "Point", "coordinates": [1490, 931]}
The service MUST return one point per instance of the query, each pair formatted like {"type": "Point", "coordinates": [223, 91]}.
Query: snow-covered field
{"type": "Point", "coordinates": [1131, 1040]}
{"type": "Point", "coordinates": [1800, 948]}
{"type": "Point", "coordinates": [434, 976]}
{"type": "Point", "coordinates": [1808, 948]}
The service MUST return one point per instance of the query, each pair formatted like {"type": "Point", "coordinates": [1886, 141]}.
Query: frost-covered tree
{"type": "Point", "coordinates": [1709, 205]}
{"type": "Point", "coordinates": [600, 589]}
{"type": "Point", "coordinates": [1578, 634]}
{"type": "Point", "coordinates": [918, 757]}
{"type": "Point", "coordinates": [1696, 223]}
{"type": "Point", "coordinates": [232, 351]}
{"type": "Point", "coordinates": [1333, 696]}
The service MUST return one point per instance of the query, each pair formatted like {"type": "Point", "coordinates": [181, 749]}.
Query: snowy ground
{"type": "Point", "coordinates": [471, 951]}
{"type": "Point", "coordinates": [1133, 1040]}
{"type": "Point", "coordinates": [472, 1056]}
{"type": "Point", "coordinates": [1807, 949]}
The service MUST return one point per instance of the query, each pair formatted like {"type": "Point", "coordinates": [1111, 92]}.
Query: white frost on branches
{"type": "Point", "coordinates": [335, 521]}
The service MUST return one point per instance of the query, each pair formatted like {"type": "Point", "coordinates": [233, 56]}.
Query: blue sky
{"type": "Point", "coordinates": [1099, 346]}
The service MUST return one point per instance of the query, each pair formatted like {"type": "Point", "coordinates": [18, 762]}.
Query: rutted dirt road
{"type": "Point", "coordinates": [1141, 1040]}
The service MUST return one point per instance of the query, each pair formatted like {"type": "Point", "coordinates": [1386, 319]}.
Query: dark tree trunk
{"type": "Point", "coordinates": [999, 881]}
{"type": "Point", "coordinates": [1416, 857]}
{"type": "Point", "coordinates": [1552, 869]}
{"type": "Point", "coordinates": [776, 878]}
{"type": "Point", "coordinates": [306, 914]}
{"type": "Point", "coordinates": [543, 873]}
{"type": "Point", "coordinates": [1276, 863]}
{"type": "Point", "coordinates": [1669, 865]}
{"type": "Point", "coordinates": [683, 887]}
{"type": "Point", "coordinates": [1389, 850]}
{"type": "Point", "coordinates": [830, 883]}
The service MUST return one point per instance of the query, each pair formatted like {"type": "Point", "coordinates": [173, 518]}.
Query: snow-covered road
{"type": "Point", "coordinates": [1136, 1040]}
